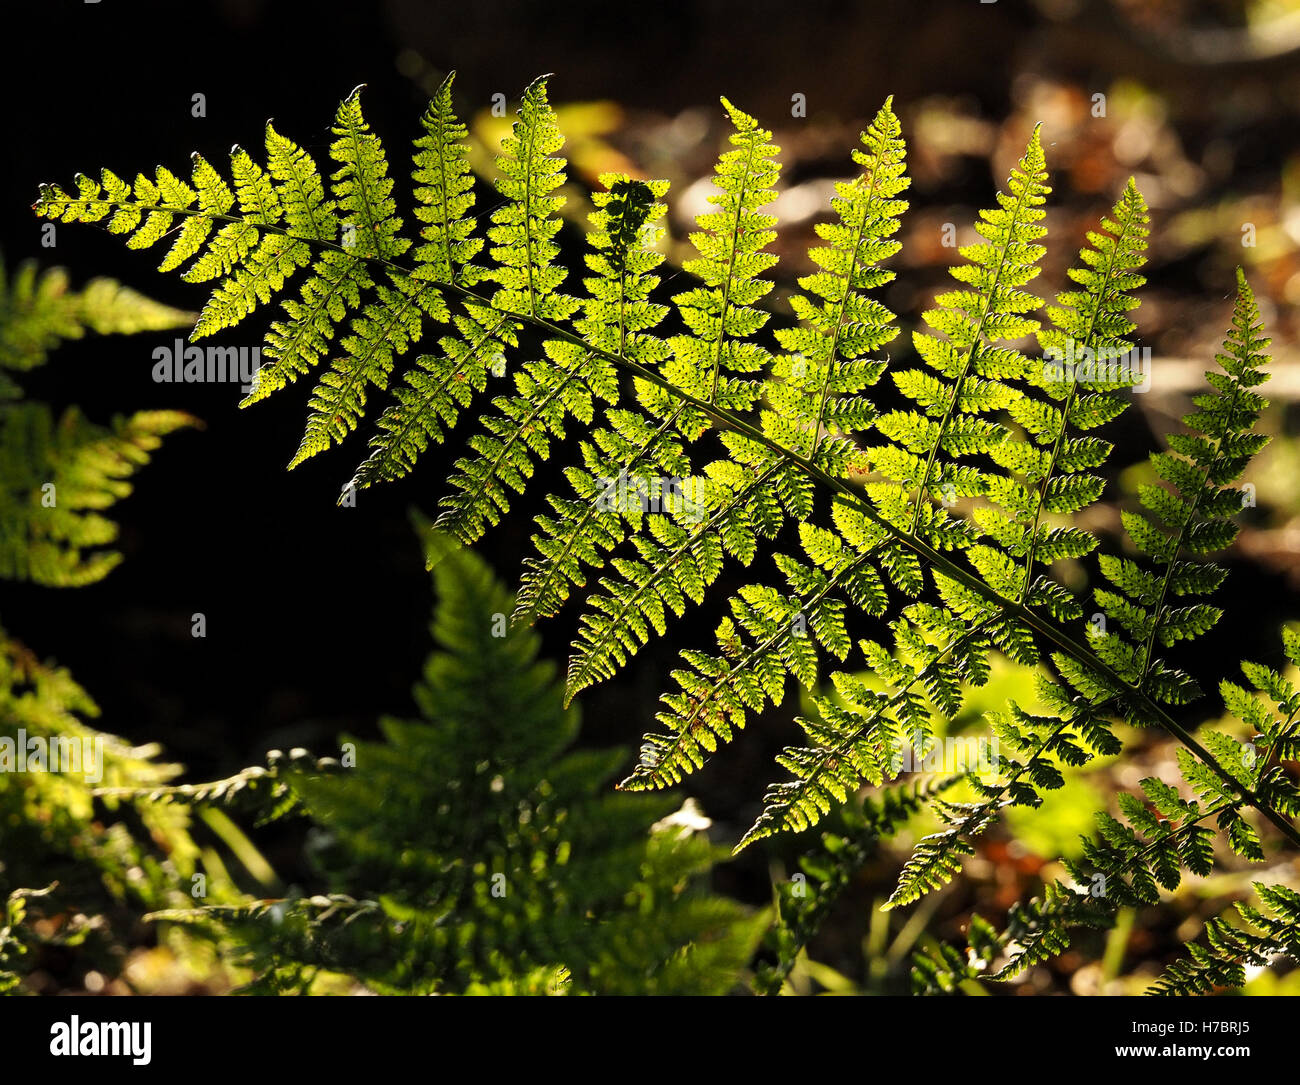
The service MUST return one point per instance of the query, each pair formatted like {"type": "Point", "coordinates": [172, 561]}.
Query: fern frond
{"type": "Point", "coordinates": [1192, 518]}
{"type": "Point", "coordinates": [568, 380]}
{"type": "Point", "coordinates": [839, 853]}
{"type": "Point", "coordinates": [440, 386]}
{"type": "Point", "coordinates": [814, 395]}
{"type": "Point", "coordinates": [480, 892]}
{"type": "Point", "coordinates": [1257, 941]}
{"type": "Point", "coordinates": [1163, 834]}
{"type": "Point", "coordinates": [385, 328]}
{"type": "Point", "coordinates": [337, 277]}
{"type": "Point", "coordinates": [1217, 453]}
{"type": "Point", "coordinates": [619, 319]}
{"type": "Point", "coordinates": [715, 699]}
{"type": "Point", "coordinates": [721, 315]}
{"type": "Point", "coordinates": [812, 389]}
{"type": "Point", "coordinates": [38, 310]}
{"type": "Point", "coordinates": [715, 362]}
{"type": "Point", "coordinates": [1088, 327]}
{"type": "Point", "coordinates": [971, 367]}
{"type": "Point", "coordinates": [58, 475]}
{"type": "Point", "coordinates": [861, 737]}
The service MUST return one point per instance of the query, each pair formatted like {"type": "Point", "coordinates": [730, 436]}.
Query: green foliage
{"type": "Point", "coordinates": [939, 526]}
{"type": "Point", "coordinates": [57, 473]}
{"type": "Point", "coordinates": [104, 858]}
{"type": "Point", "coordinates": [473, 850]}
{"type": "Point", "coordinates": [830, 865]}
{"type": "Point", "coordinates": [38, 311]}
{"type": "Point", "coordinates": [1164, 834]}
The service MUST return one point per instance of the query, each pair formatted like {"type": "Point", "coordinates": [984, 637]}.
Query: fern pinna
{"type": "Point", "coordinates": [937, 524]}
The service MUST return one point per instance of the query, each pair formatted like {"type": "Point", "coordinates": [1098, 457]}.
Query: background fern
{"type": "Point", "coordinates": [472, 851]}
{"type": "Point", "coordinates": [80, 865]}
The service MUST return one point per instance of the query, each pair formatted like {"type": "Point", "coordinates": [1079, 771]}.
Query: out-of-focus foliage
{"type": "Point", "coordinates": [473, 851]}
{"type": "Point", "coordinates": [102, 861]}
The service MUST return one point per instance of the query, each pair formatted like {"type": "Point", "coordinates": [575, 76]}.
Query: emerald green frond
{"type": "Point", "coordinates": [971, 365]}
{"type": "Point", "coordinates": [717, 360]}
{"type": "Point", "coordinates": [570, 377]}
{"type": "Point", "coordinates": [1188, 519]}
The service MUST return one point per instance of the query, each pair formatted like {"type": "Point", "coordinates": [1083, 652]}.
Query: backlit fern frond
{"type": "Point", "coordinates": [971, 366]}
{"type": "Point", "coordinates": [718, 692]}
{"type": "Point", "coordinates": [386, 327]}
{"type": "Point", "coordinates": [568, 378]}
{"type": "Point", "coordinates": [1088, 362]}
{"type": "Point", "coordinates": [987, 425]}
{"type": "Point", "coordinates": [1188, 521]}
{"type": "Point", "coordinates": [716, 362]}
{"type": "Point", "coordinates": [440, 385]}
{"type": "Point", "coordinates": [814, 399]}
{"type": "Point", "coordinates": [1230, 949]}
{"type": "Point", "coordinates": [295, 199]}
{"type": "Point", "coordinates": [812, 407]}
{"type": "Point", "coordinates": [649, 472]}
{"type": "Point", "coordinates": [1159, 837]}
{"type": "Point", "coordinates": [1198, 521]}
{"type": "Point", "coordinates": [862, 735]}
{"type": "Point", "coordinates": [612, 487]}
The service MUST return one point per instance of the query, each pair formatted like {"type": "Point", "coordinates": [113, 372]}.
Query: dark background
{"type": "Point", "coordinates": [317, 615]}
